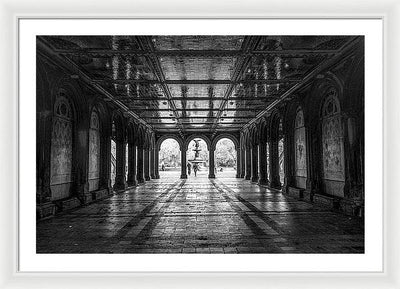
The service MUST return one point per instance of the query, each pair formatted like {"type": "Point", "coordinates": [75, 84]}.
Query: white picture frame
{"type": "Point", "coordinates": [11, 11]}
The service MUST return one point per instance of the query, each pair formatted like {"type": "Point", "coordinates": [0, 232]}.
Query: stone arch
{"type": "Point", "coordinates": [104, 117]}
{"type": "Point", "coordinates": [254, 135]}
{"type": "Point", "coordinates": [275, 123]}
{"type": "Point", "coordinates": [75, 95]}
{"type": "Point", "coordinates": [225, 135]}
{"type": "Point", "coordinates": [152, 141]}
{"type": "Point", "coordinates": [131, 133]}
{"type": "Point", "coordinates": [300, 148]}
{"type": "Point", "coordinates": [141, 137]}
{"type": "Point", "coordinates": [312, 111]}
{"type": "Point", "coordinates": [147, 140]}
{"type": "Point", "coordinates": [247, 139]}
{"type": "Point", "coordinates": [161, 139]}
{"type": "Point", "coordinates": [262, 127]}
{"type": "Point", "coordinates": [118, 126]}
{"type": "Point", "coordinates": [278, 150]}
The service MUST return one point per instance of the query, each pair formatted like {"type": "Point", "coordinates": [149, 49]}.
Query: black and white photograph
{"type": "Point", "coordinates": [200, 144]}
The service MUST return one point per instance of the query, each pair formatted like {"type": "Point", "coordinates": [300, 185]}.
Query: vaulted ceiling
{"type": "Point", "coordinates": [190, 84]}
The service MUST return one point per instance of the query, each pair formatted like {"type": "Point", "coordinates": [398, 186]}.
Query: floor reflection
{"type": "Point", "coordinates": [200, 215]}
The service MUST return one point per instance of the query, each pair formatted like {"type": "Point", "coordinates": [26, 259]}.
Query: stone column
{"type": "Point", "coordinates": [146, 166]}
{"type": "Point", "coordinates": [105, 163]}
{"type": "Point", "coordinates": [183, 164]}
{"type": "Point", "coordinates": [211, 165]}
{"type": "Point", "coordinates": [248, 164]}
{"type": "Point", "coordinates": [131, 165]}
{"type": "Point", "coordinates": [262, 164]}
{"type": "Point", "coordinates": [156, 164]}
{"type": "Point", "coordinates": [80, 160]}
{"type": "Point", "coordinates": [140, 177]}
{"type": "Point", "coordinates": [152, 166]}
{"type": "Point", "coordinates": [43, 154]}
{"type": "Point", "coordinates": [242, 163]}
{"type": "Point", "coordinates": [120, 182]}
{"type": "Point", "coordinates": [254, 164]}
{"type": "Point", "coordinates": [238, 163]}
{"type": "Point", "coordinates": [44, 206]}
{"type": "Point", "coordinates": [274, 165]}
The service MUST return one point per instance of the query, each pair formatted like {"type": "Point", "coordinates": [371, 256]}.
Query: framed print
{"type": "Point", "coordinates": [205, 150]}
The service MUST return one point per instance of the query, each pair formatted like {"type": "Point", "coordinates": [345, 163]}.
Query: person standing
{"type": "Point", "coordinates": [195, 169]}
{"type": "Point", "coordinates": [189, 168]}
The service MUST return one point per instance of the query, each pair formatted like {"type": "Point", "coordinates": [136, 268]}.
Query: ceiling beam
{"type": "Point", "coordinates": [197, 123]}
{"type": "Point", "coordinates": [317, 70]}
{"type": "Point", "coordinates": [198, 82]}
{"type": "Point", "coordinates": [199, 109]}
{"type": "Point", "coordinates": [195, 117]}
{"type": "Point", "coordinates": [98, 52]}
{"type": "Point", "coordinates": [71, 66]}
{"type": "Point", "coordinates": [236, 98]}
{"type": "Point", "coordinates": [249, 44]}
{"type": "Point", "coordinates": [146, 43]}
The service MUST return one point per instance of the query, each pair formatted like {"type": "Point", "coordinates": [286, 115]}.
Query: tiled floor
{"type": "Point", "coordinates": [198, 215]}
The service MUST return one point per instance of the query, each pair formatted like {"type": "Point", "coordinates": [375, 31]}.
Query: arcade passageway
{"type": "Point", "coordinates": [205, 144]}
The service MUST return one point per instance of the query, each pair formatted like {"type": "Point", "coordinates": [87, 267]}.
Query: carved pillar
{"type": "Point", "coordinates": [156, 164]}
{"type": "Point", "coordinates": [43, 153]}
{"type": "Point", "coordinates": [248, 164]}
{"type": "Point", "coordinates": [309, 150]}
{"type": "Point", "coordinates": [131, 165]}
{"type": "Point", "coordinates": [262, 164]}
{"type": "Point", "coordinates": [238, 163]}
{"type": "Point", "coordinates": [105, 162]}
{"type": "Point", "coordinates": [289, 161]}
{"type": "Point", "coordinates": [353, 187]}
{"type": "Point", "coordinates": [274, 165]}
{"type": "Point", "coordinates": [120, 182]}
{"type": "Point", "coordinates": [254, 164]}
{"type": "Point", "coordinates": [146, 166]}
{"type": "Point", "coordinates": [80, 160]}
{"type": "Point", "coordinates": [211, 166]}
{"type": "Point", "coordinates": [139, 176]}
{"type": "Point", "coordinates": [152, 164]}
{"type": "Point", "coordinates": [183, 164]}
{"type": "Point", "coordinates": [242, 163]}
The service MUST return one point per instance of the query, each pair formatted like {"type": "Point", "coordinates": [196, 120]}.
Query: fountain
{"type": "Point", "coordinates": [197, 159]}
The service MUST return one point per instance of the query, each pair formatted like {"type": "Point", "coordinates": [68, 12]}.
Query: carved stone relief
{"type": "Point", "coordinates": [332, 139]}
{"type": "Point", "coordinates": [94, 152]}
{"type": "Point", "coordinates": [300, 146]}
{"type": "Point", "coordinates": [61, 150]}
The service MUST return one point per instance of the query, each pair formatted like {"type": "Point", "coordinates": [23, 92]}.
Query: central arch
{"type": "Point", "coordinates": [196, 136]}
{"type": "Point", "coordinates": [194, 167]}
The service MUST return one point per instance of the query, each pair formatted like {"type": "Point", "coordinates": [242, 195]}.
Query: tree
{"type": "Point", "coordinates": [170, 153]}
{"type": "Point", "coordinates": [225, 153]}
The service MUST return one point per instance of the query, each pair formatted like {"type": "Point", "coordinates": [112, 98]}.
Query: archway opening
{"type": "Point", "coordinates": [281, 153]}
{"type": "Point", "coordinates": [126, 161]}
{"type": "Point", "coordinates": [197, 157]}
{"type": "Point", "coordinates": [94, 152]}
{"type": "Point", "coordinates": [113, 158]}
{"type": "Point", "coordinates": [225, 159]}
{"type": "Point", "coordinates": [169, 158]}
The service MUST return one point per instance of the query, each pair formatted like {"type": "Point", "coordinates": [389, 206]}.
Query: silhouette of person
{"type": "Point", "coordinates": [195, 169]}
{"type": "Point", "coordinates": [189, 168]}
